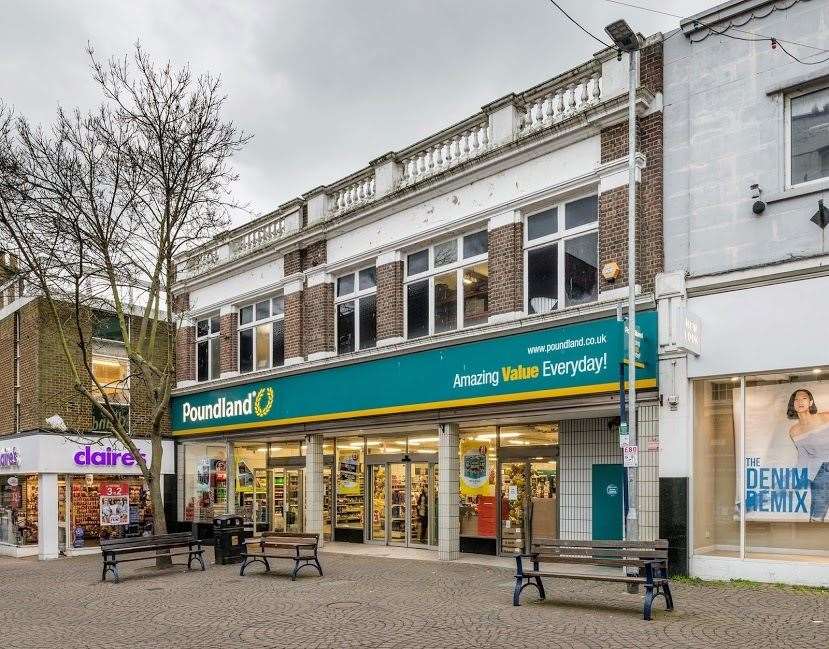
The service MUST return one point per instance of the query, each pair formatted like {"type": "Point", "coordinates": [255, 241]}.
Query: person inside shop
{"type": "Point", "coordinates": [423, 513]}
{"type": "Point", "coordinates": [810, 436]}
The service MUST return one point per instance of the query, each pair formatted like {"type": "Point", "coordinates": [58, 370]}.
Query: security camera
{"type": "Point", "coordinates": [759, 207]}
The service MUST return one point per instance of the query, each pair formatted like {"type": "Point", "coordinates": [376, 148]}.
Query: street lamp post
{"type": "Point", "coordinates": [627, 41]}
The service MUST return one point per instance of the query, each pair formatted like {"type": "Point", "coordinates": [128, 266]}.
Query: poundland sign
{"type": "Point", "coordinates": [576, 359]}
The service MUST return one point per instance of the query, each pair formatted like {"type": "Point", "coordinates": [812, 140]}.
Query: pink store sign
{"type": "Point", "coordinates": [105, 457]}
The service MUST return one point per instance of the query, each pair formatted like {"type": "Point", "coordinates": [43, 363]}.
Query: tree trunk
{"type": "Point", "coordinates": [163, 560]}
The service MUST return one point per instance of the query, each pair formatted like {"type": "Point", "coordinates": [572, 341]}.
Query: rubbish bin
{"type": "Point", "coordinates": [228, 539]}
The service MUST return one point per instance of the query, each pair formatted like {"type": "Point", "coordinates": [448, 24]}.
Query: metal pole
{"type": "Point", "coordinates": [632, 518]}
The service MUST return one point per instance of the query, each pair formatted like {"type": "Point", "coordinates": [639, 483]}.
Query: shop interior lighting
{"type": "Point", "coordinates": [817, 370]}
{"type": "Point", "coordinates": [423, 440]}
{"type": "Point", "coordinates": [734, 379]}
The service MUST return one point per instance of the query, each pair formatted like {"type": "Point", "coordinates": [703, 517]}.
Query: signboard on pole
{"type": "Point", "coordinates": [631, 456]}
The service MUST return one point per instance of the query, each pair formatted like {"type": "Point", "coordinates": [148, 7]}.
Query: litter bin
{"type": "Point", "coordinates": [228, 539]}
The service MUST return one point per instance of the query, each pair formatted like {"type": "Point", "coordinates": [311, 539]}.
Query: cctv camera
{"type": "Point", "coordinates": [759, 207]}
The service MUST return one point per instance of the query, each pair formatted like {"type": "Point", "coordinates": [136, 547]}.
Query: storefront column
{"type": "Point", "coordinates": [47, 516]}
{"type": "Point", "coordinates": [231, 479]}
{"type": "Point", "coordinates": [448, 488]}
{"type": "Point", "coordinates": [314, 486]}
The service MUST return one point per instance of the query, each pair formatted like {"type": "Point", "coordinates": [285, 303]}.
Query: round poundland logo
{"type": "Point", "coordinates": [612, 490]}
{"type": "Point", "coordinates": [264, 402]}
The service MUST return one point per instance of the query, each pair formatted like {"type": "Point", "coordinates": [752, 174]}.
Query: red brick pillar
{"type": "Point", "coordinates": [293, 322]}
{"type": "Point", "coordinates": [318, 315]}
{"type": "Point", "coordinates": [506, 267]}
{"type": "Point", "coordinates": [389, 299]}
{"type": "Point", "coordinates": [185, 353]}
{"type": "Point", "coordinates": [229, 345]}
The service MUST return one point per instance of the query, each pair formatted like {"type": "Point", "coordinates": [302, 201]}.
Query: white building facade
{"type": "Point", "coordinates": [744, 364]}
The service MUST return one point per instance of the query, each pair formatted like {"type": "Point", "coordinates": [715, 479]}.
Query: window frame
{"type": "Point", "coordinates": [208, 337]}
{"type": "Point", "coordinates": [253, 324]}
{"type": "Point", "coordinates": [787, 136]}
{"type": "Point", "coordinates": [558, 238]}
{"type": "Point", "coordinates": [355, 296]}
{"type": "Point", "coordinates": [433, 271]}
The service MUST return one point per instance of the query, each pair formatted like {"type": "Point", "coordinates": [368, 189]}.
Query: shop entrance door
{"type": "Point", "coordinates": [402, 500]}
{"type": "Point", "coordinates": [287, 498]}
{"type": "Point", "coordinates": [529, 503]}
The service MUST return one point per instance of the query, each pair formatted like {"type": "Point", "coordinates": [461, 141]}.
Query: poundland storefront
{"type": "Point", "coordinates": [476, 446]}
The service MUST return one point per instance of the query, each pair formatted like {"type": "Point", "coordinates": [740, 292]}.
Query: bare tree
{"type": "Point", "coordinates": [96, 207]}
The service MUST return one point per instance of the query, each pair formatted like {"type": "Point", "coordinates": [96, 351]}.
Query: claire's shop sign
{"type": "Point", "coordinates": [574, 359]}
{"type": "Point", "coordinates": [105, 457]}
{"type": "Point", "coordinates": [9, 457]}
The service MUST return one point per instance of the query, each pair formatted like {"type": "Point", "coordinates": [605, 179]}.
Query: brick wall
{"type": "Point", "coordinates": [186, 354]}
{"type": "Point", "coordinates": [293, 325]}
{"type": "Point", "coordinates": [314, 255]}
{"type": "Point", "coordinates": [29, 378]}
{"type": "Point", "coordinates": [390, 300]}
{"type": "Point", "coordinates": [318, 318]}
{"type": "Point", "coordinates": [613, 203]}
{"type": "Point", "coordinates": [506, 269]}
{"type": "Point", "coordinates": [292, 263]}
{"type": "Point", "coordinates": [229, 345]}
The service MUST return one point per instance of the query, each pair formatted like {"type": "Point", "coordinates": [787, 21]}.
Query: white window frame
{"type": "Point", "coordinates": [207, 338]}
{"type": "Point", "coordinates": [432, 272]}
{"type": "Point", "coordinates": [787, 127]}
{"type": "Point", "coordinates": [559, 237]}
{"type": "Point", "coordinates": [355, 296]}
{"type": "Point", "coordinates": [252, 325]}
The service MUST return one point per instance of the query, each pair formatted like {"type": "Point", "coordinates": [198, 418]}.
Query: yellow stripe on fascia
{"type": "Point", "coordinates": [418, 407]}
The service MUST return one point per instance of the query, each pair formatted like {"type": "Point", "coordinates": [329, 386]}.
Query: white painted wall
{"type": "Point", "coordinates": [781, 326]}
{"type": "Point", "coordinates": [235, 286]}
{"type": "Point", "coordinates": [481, 196]}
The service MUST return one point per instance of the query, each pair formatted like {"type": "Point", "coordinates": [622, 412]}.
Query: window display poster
{"type": "Point", "coordinates": [786, 459]}
{"type": "Point", "coordinates": [115, 510]}
{"type": "Point", "coordinates": [475, 469]}
{"type": "Point", "coordinates": [348, 465]}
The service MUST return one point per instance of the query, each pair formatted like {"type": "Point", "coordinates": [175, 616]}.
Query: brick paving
{"type": "Point", "coordinates": [380, 603]}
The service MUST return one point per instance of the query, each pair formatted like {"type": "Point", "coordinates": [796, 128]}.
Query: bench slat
{"type": "Point", "coordinates": [659, 544]}
{"type": "Point", "coordinates": [146, 548]}
{"type": "Point", "coordinates": [600, 552]}
{"type": "Point", "coordinates": [613, 563]}
{"type": "Point", "coordinates": [171, 554]}
{"type": "Point", "coordinates": [589, 577]}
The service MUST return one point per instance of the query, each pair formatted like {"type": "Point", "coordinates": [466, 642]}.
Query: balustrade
{"type": "Point", "coordinates": [562, 102]}
{"type": "Point", "coordinates": [357, 193]}
{"type": "Point", "coordinates": [462, 145]}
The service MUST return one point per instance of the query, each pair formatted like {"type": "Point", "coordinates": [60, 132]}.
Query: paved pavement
{"type": "Point", "coordinates": [380, 603]}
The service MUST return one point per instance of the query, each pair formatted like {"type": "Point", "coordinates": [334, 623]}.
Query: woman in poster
{"type": "Point", "coordinates": [810, 436]}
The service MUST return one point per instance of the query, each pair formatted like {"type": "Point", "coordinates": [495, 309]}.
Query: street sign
{"type": "Point", "coordinates": [624, 435]}
{"type": "Point", "coordinates": [631, 456]}
{"type": "Point", "coordinates": [638, 351]}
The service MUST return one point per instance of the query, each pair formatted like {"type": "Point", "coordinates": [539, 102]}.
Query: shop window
{"type": "Point", "coordinates": [251, 482]}
{"type": "Point", "coordinates": [386, 445]}
{"type": "Point", "coordinates": [108, 507]}
{"type": "Point", "coordinates": [106, 326]}
{"type": "Point", "coordinates": [204, 491]}
{"type": "Point", "coordinates": [112, 374]}
{"type": "Point", "coordinates": [356, 310]}
{"type": "Point", "coordinates": [808, 117]}
{"type": "Point", "coordinates": [262, 335]}
{"type": "Point", "coordinates": [447, 286]}
{"type": "Point", "coordinates": [208, 349]}
{"type": "Point", "coordinates": [287, 448]}
{"type": "Point", "coordinates": [350, 484]}
{"type": "Point", "coordinates": [478, 518]}
{"type": "Point", "coordinates": [562, 256]}
{"type": "Point", "coordinates": [18, 510]}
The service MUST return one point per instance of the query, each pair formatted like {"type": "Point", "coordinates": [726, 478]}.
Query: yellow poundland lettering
{"type": "Point", "coordinates": [519, 372]}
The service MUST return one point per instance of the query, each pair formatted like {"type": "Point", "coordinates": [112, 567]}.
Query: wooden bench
{"type": "Point", "coordinates": [300, 548]}
{"type": "Point", "coordinates": [117, 551]}
{"type": "Point", "coordinates": [652, 556]}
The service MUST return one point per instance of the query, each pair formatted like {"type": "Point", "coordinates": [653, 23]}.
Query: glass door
{"type": "Point", "coordinates": [327, 531]}
{"type": "Point", "coordinates": [294, 500]}
{"type": "Point", "coordinates": [377, 503]}
{"type": "Point", "coordinates": [513, 507]}
{"type": "Point", "coordinates": [277, 500]}
{"type": "Point", "coordinates": [544, 503]}
{"type": "Point", "coordinates": [420, 505]}
{"type": "Point", "coordinates": [398, 504]}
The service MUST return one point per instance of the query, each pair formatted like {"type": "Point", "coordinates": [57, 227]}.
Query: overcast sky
{"type": "Point", "coordinates": [324, 85]}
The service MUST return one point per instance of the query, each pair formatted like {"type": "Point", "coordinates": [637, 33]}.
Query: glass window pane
{"type": "Point", "coordinates": [278, 343]}
{"type": "Point", "coordinates": [263, 346]}
{"type": "Point", "coordinates": [581, 272]}
{"type": "Point", "coordinates": [215, 324]}
{"type": "Point", "coordinates": [542, 224]}
{"type": "Point", "coordinates": [446, 253]}
{"type": "Point", "coordinates": [345, 327]}
{"type": "Point", "coordinates": [278, 305]}
{"type": "Point", "coordinates": [246, 314]}
{"type": "Point", "coordinates": [345, 284]}
{"type": "Point", "coordinates": [581, 212]}
{"type": "Point", "coordinates": [475, 244]}
{"type": "Point", "coordinates": [368, 322]}
{"type": "Point", "coordinates": [201, 328]}
{"type": "Point", "coordinates": [350, 476]}
{"type": "Point", "coordinates": [417, 262]}
{"type": "Point", "coordinates": [417, 309]}
{"type": "Point", "coordinates": [446, 302]}
{"type": "Point", "coordinates": [263, 309]}
{"type": "Point", "coordinates": [810, 136]}
{"type": "Point", "coordinates": [542, 279]}
{"type": "Point", "coordinates": [716, 511]}
{"type": "Point", "coordinates": [215, 357]}
{"type": "Point", "coordinates": [368, 278]}
{"type": "Point", "coordinates": [477, 450]}
{"type": "Point", "coordinates": [106, 325]}
{"type": "Point", "coordinates": [475, 295]}
{"type": "Point", "coordinates": [246, 350]}
{"type": "Point", "coordinates": [202, 361]}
